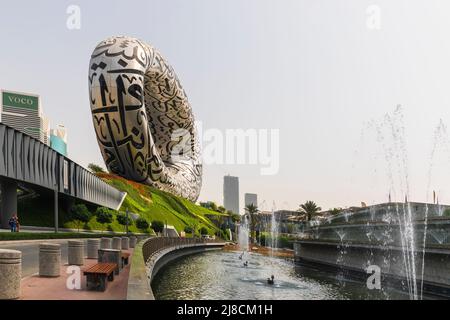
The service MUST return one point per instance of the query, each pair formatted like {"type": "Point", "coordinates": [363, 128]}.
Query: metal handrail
{"type": "Point", "coordinates": [154, 245]}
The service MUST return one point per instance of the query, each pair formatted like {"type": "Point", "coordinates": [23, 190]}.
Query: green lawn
{"type": "Point", "coordinates": [47, 235]}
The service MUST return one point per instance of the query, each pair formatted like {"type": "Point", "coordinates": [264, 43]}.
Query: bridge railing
{"type": "Point", "coordinates": [153, 245]}
{"type": "Point", "coordinates": [26, 159]}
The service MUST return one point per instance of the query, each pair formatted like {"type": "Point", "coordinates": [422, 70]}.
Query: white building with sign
{"type": "Point", "coordinates": [23, 112]}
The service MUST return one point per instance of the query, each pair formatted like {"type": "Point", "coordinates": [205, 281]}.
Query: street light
{"type": "Point", "coordinates": [127, 220]}
{"type": "Point", "coordinates": [166, 231]}
{"type": "Point", "coordinates": [56, 208]}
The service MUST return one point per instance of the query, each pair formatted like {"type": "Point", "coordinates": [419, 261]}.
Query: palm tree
{"type": "Point", "coordinates": [234, 216]}
{"type": "Point", "coordinates": [253, 211]}
{"type": "Point", "coordinates": [335, 211]}
{"type": "Point", "coordinates": [309, 208]}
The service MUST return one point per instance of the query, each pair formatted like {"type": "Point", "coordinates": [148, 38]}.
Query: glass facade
{"type": "Point", "coordinates": [58, 145]}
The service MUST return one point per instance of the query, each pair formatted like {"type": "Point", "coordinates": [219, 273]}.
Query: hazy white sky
{"type": "Point", "coordinates": [309, 68]}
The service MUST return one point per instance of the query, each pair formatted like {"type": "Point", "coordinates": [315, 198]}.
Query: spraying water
{"type": "Point", "coordinates": [244, 233]}
{"type": "Point", "coordinates": [273, 231]}
{"type": "Point", "coordinates": [390, 136]}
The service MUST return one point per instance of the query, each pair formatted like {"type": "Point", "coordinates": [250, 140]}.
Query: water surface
{"type": "Point", "coordinates": [222, 275]}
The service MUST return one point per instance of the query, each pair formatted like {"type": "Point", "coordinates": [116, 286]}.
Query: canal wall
{"type": "Point", "coordinates": [138, 285]}
{"type": "Point", "coordinates": [354, 259]}
{"type": "Point", "coordinates": [350, 243]}
{"type": "Point", "coordinates": [153, 254]}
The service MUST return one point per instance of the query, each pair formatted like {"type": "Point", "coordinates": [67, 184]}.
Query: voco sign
{"type": "Point", "coordinates": [19, 100]}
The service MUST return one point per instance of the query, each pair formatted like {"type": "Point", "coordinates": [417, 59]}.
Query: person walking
{"type": "Point", "coordinates": [17, 224]}
{"type": "Point", "coordinates": [12, 224]}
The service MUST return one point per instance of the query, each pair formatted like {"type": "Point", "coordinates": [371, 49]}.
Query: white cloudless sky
{"type": "Point", "coordinates": [310, 68]}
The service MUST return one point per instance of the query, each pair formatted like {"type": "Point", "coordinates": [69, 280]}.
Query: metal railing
{"type": "Point", "coordinates": [27, 160]}
{"type": "Point", "coordinates": [154, 245]}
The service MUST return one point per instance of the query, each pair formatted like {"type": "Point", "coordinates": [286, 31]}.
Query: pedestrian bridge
{"type": "Point", "coordinates": [25, 160]}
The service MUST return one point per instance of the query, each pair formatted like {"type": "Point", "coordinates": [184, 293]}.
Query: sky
{"type": "Point", "coordinates": [313, 69]}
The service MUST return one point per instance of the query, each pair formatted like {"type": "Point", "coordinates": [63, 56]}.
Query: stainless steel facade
{"type": "Point", "coordinates": [25, 159]}
{"type": "Point", "coordinates": [142, 118]}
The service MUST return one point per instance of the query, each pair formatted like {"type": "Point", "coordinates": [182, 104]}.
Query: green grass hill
{"type": "Point", "coordinates": [145, 201]}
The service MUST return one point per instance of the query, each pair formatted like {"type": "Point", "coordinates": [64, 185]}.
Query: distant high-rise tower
{"type": "Point", "coordinates": [231, 193]}
{"type": "Point", "coordinates": [251, 198]}
{"type": "Point", "coordinates": [45, 132]}
{"type": "Point", "coordinates": [58, 139]}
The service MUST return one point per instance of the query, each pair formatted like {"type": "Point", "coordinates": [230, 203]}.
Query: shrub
{"type": "Point", "coordinates": [157, 226]}
{"type": "Point", "coordinates": [281, 242]}
{"type": "Point", "coordinates": [213, 206]}
{"type": "Point", "coordinates": [224, 234]}
{"type": "Point", "coordinates": [284, 242]}
{"type": "Point", "coordinates": [80, 214]}
{"type": "Point", "coordinates": [124, 220]}
{"type": "Point", "coordinates": [95, 168]}
{"type": "Point", "coordinates": [188, 229]}
{"type": "Point", "coordinates": [142, 224]}
{"type": "Point", "coordinates": [203, 231]}
{"type": "Point", "coordinates": [104, 215]}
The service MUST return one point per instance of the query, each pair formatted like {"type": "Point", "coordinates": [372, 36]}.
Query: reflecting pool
{"type": "Point", "coordinates": [223, 275]}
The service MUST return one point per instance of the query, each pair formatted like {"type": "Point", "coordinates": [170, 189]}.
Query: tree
{"type": "Point", "coordinates": [95, 168]}
{"type": "Point", "coordinates": [253, 211]}
{"type": "Point", "coordinates": [104, 216]}
{"type": "Point", "coordinates": [290, 228]}
{"type": "Point", "coordinates": [203, 231]}
{"type": "Point", "coordinates": [309, 208]}
{"type": "Point", "coordinates": [124, 220]}
{"type": "Point", "coordinates": [142, 224]}
{"type": "Point", "coordinates": [234, 216]}
{"type": "Point", "coordinates": [213, 206]}
{"type": "Point", "coordinates": [157, 226]}
{"type": "Point", "coordinates": [80, 214]}
{"type": "Point", "coordinates": [221, 209]}
{"type": "Point", "coordinates": [220, 220]}
{"type": "Point", "coordinates": [188, 229]}
{"type": "Point", "coordinates": [335, 211]}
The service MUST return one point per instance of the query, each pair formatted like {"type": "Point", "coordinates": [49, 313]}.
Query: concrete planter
{"type": "Point", "coordinates": [92, 248]}
{"type": "Point", "coordinates": [111, 256]}
{"type": "Point", "coordinates": [106, 243]}
{"type": "Point", "coordinates": [117, 243]}
{"type": "Point", "coordinates": [125, 243]}
{"type": "Point", "coordinates": [76, 253]}
{"type": "Point", "coordinates": [10, 274]}
{"type": "Point", "coordinates": [133, 241]}
{"type": "Point", "coordinates": [49, 260]}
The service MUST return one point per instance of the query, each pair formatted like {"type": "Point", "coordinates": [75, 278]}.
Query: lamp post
{"type": "Point", "coordinates": [56, 208]}
{"type": "Point", "coordinates": [166, 231]}
{"type": "Point", "coordinates": [127, 220]}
